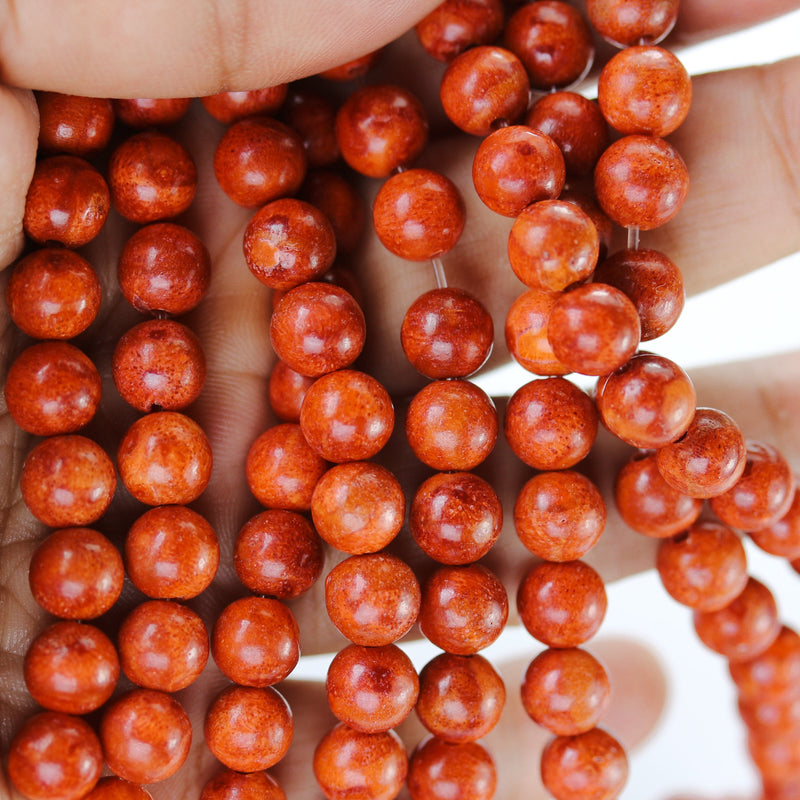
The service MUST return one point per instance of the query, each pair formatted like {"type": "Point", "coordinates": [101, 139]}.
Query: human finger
{"type": "Point", "coordinates": [702, 19]}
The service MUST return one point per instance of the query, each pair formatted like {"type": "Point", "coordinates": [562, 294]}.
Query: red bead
{"type": "Point", "coordinates": [526, 333]}
{"type": "Point", "coordinates": [146, 736]}
{"type": "Point", "coordinates": [287, 389]}
{"type": "Point", "coordinates": [230, 785]}
{"type": "Point", "coordinates": [777, 758]}
{"type": "Point", "coordinates": [440, 770]}
{"type": "Point", "coordinates": [67, 202]}
{"type": "Point", "coordinates": [54, 755]}
{"type": "Point", "coordinates": [354, 69]}
{"type": "Point", "coordinates": [586, 201]}
{"type": "Point", "coordinates": [313, 117]}
{"type": "Point", "coordinates": [776, 717]}
{"type": "Point", "coordinates": [455, 25]}
{"type": "Point", "coordinates": [625, 23]}
{"type": "Point", "coordinates": [67, 481]}
{"type": "Point", "coordinates": [704, 568]}
{"type": "Point", "coordinates": [143, 112]}
{"type": "Point", "coordinates": [112, 788]}
{"type": "Point", "coordinates": [782, 538]}
{"type": "Point", "coordinates": [562, 605]}
{"type": "Point", "coordinates": [338, 200]}
{"type": "Point", "coordinates": [516, 166]}
{"type": "Point", "coordinates": [78, 126]}
{"type": "Point", "coordinates": [773, 675]}
{"type": "Point", "coordinates": [229, 107]}
{"type": "Point", "coordinates": [151, 177]}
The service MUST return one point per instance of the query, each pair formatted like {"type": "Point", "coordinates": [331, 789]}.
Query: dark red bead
{"type": "Point", "coordinates": [455, 25]}
{"type": "Point", "coordinates": [624, 23]}
{"type": "Point", "coordinates": [229, 107]}
{"type": "Point", "coordinates": [68, 123]}
{"type": "Point", "coordinates": [144, 112]}
{"type": "Point", "coordinates": [440, 770]}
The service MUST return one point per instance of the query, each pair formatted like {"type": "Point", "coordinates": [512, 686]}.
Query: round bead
{"type": "Point", "coordinates": [777, 758]}
{"type": "Point", "coordinates": [455, 517]}
{"type": "Point", "coordinates": [704, 567]}
{"type": "Point", "coordinates": [146, 736]}
{"type": "Point", "coordinates": [782, 538]}
{"type": "Point", "coordinates": [461, 698]}
{"type": "Point", "coordinates": [347, 416]}
{"type": "Point", "coordinates": [71, 667]}
{"type": "Point", "coordinates": [67, 481]}
{"type": "Point", "coordinates": [112, 788]}
{"type": "Point", "coordinates": [54, 755]}
{"type": "Point", "coordinates": [641, 181]}
{"type": "Point", "coordinates": [249, 729]}
{"type": "Point", "coordinates": [313, 117]}
{"type": "Point", "coordinates": [772, 675]}
{"type": "Point", "coordinates": [67, 202]}
{"type": "Point", "coordinates": [165, 458]}
{"type": "Point", "coordinates": [372, 599]}
{"type": "Point", "coordinates": [526, 333]}
{"type": "Point", "coordinates": [278, 553]}
{"type": "Point", "coordinates": [562, 604]}
{"type": "Point", "coordinates": [230, 785]}
{"type": "Point", "coordinates": [440, 770]}
{"type": "Point", "coordinates": [354, 69]}
{"type": "Point", "coordinates": [371, 689]}
{"type": "Point", "coordinates": [53, 293]}
{"type": "Point", "coordinates": [566, 691]}
{"type": "Point", "coordinates": [648, 403]}
{"type": "Point", "coordinates": [550, 423]}
{"type": "Point", "coordinates": [163, 645]}
{"type": "Point", "coordinates": [455, 25]}
{"type": "Point", "coordinates": [144, 112]}
{"type": "Point", "coordinates": [516, 166]}
{"type": "Point", "coordinates": [52, 388]}
{"type": "Point", "coordinates": [483, 86]}
{"type": "Point", "coordinates": [338, 200]}
{"type": "Point", "coordinates": [464, 608]}
{"type": "Point", "coordinates": [779, 717]}
{"type": "Point", "coordinates": [624, 23]}
{"type": "Point", "coordinates": [151, 177]}
{"type": "Point", "coordinates": [418, 214]}
{"type": "Point", "coordinates": [78, 126]}
{"type": "Point", "coordinates": [287, 389]}
{"type": "Point", "coordinates": [230, 107]}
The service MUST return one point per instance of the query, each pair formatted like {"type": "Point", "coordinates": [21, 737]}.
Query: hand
{"type": "Point", "coordinates": [760, 225]}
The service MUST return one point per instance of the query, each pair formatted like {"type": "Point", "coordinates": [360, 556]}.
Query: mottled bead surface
{"type": "Point", "coordinates": [163, 645]}
{"type": "Point", "coordinates": [52, 388]}
{"type": "Point", "coordinates": [68, 123]}
{"type": "Point", "coordinates": [230, 785]}
{"type": "Point", "coordinates": [526, 333]}
{"type": "Point", "coordinates": [143, 112]}
{"type": "Point", "coordinates": [461, 698]}
{"type": "Point", "coordinates": [451, 425]}
{"type": "Point", "coordinates": [586, 201]}
{"type": "Point", "coordinates": [782, 538]}
{"type": "Point", "coordinates": [355, 68]}
{"type": "Point", "coordinates": [372, 599]}
{"type": "Point", "coordinates": [772, 675]}
{"type": "Point", "coordinates": [337, 198]}
{"type": "Point", "coordinates": [165, 458]}
{"type": "Point", "coordinates": [113, 788]}
{"type": "Point", "coordinates": [230, 107]}
{"type": "Point", "coordinates": [152, 177]}
{"type": "Point", "coordinates": [625, 23]}
{"type": "Point", "coordinates": [312, 115]}
{"type": "Point", "coordinates": [482, 86]}
{"type": "Point", "coordinates": [371, 689]}
{"type": "Point", "coordinates": [68, 202]}
{"type": "Point", "coordinates": [67, 481]}
{"type": "Point", "coordinates": [562, 604]}
{"type": "Point", "coordinates": [440, 770]}
{"type": "Point", "coordinates": [146, 736]}
{"type": "Point", "coordinates": [287, 389]}
{"type": "Point", "coordinates": [71, 667]}
{"type": "Point", "coordinates": [704, 567]}
{"type": "Point", "coordinates": [54, 755]}
{"type": "Point", "coordinates": [455, 25]}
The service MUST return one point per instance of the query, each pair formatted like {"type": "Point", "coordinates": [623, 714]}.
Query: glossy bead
{"type": "Point", "coordinates": [338, 200]}
{"type": "Point", "coordinates": [451, 425]}
{"type": "Point", "coordinates": [152, 177]}
{"type": "Point", "coordinates": [455, 25]}
{"type": "Point", "coordinates": [552, 40]}
{"type": "Point", "coordinates": [482, 86]}
{"type": "Point", "coordinates": [278, 553]}
{"type": "Point", "coordinates": [112, 788]}
{"type": "Point", "coordinates": [312, 115]}
{"type": "Point", "coordinates": [762, 495]}
{"type": "Point", "coordinates": [773, 675]}
{"type": "Point", "coordinates": [526, 333]}
{"type": "Point", "coordinates": [586, 201]}
{"type": "Point", "coordinates": [562, 604]}
{"type": "Point", "coordinates": [648, 504]}
{"type": "Point", "coordinates": [71, 667]}
{"type": "Point", "coordinates": [67, 202]}
{"type": "Point", "coordinates": [259, 159]}
{"type": "Point", "coordinates": [589, 766]}
{"type": "Point", "coordinates": [566, 691]}
{"type": "Point", "coordinates": [782, 538]}
{"type": "Point", "coordinates": [287, 389]}
{"type": "Point", "coordinates": [146, 736]}
{"type": "Point", "coordinates": [641, 181]}
{"type": "Point", "coordinates": [464, 608]}
{"type": "Point", "coordinates": [144, 112]}
{"type": "Point", "coordinates": [230, 785]}
{"type": "Point", "coordinates": [163, 645]}
{"type": "Point", "coordinates": [780, 716]}
{"type": "Point", "coordinates": [53, 293]}
{"type": "Point", "coordinates": [371, 689]}
{"type": "Point", "coordinates": [624, 23]}
{"type": "Point", "coordinates": [372, 599]}
{"type": "Point", "coordinates": [648, 403]}
{"type": "Point", "coordinates": [550, 423]}
{"type": "Point", "coordinates": [704, 567]}
{"type": "Point", "coordinates": [461, 698]}
{"type": "Point", "coordinates": [67, 481]}
{"type": "Point", "coordinates": [68, 123]}
{"type": "Point", "coordinates": [516, 166]}
{"type": "Point", "coordinates": [165, 458]}
{"type": "Point", "coordinates": [229, 107]}
{"type": "Point", "coordinates": [575, 124]}
{"type": "Point", "coordinates": [744, 628]}
{"type": "Point", "coordinates": [317, 328]}
{"type": "Point", "coordinates": [652, 282]}
{"type": "Point", "coordinates": [347, 416]}
{"type": "Point", "coordinates": [354, 69]}
{"type": "Point", "coordinates": [164, 267]}
{"type": "Point", "coordinates": [777, 758]}
{"type": "Point", "coordinates": [249, 729]}
{"type": "Point", "coordinates": [455, 517]}
{"type": "Point", "coordinates": [351, 764]}
{"type": "Point", "coordinates": [52, 388]}
{"type": "Point", "coordinates": [593, 329]}
{"type": "Point", "coordinates": [440, 770]}
{"type": "Point", "coordinates": [54, 755]}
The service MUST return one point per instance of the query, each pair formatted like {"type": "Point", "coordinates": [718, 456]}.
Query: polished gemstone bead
{"type": "Point", "coordinates": [287, 389]}
{"type": "Point", "coordinates": [461, 698]}
{"type": "Point", "coordinates": [372, 599]}
{"type": "Point", "coordinates": [71, 667]}
{"type": "Point", "coordinates": [230, 785]}
{"type": "Point", "coordinates": [526, 333]}
{"type": "Point", "coordinates": [778, 717]}
{"type": "Point", "coordinates": [230, 107]}
{"type": "Point", "coordinates": [113, 788]}
{"type": "Point", "coordinates": [624, 23]}
{"type": "Point", "coordinates": [586, 201]}
{"type": "Point", "coordinates": [163, 645]}
{"type": "Point", "coordinates": [705, 567]}
{"type": "Point", "coordinates": [78, 126]}
{"type": "Point", "coordinates": [455, 25]}
{"type": "Point", "coordinates": [67, 481]}
{"type": "Point", "coordinates": [440, 770]}
{"type": "Point", "coordinates": [354, 69]}
{"type": "Point", "coordinates": [371, 689]}
{"type": "Point", "coordinates": [144, 112]}
{"type": "Point", "coordinates": [312, 115]}
{"type": "Point", "coordinates": [777, 759]}
{"type": "Point", "coordinates": [782, 538]}
{"type": "Point", "coordinates": [338, 200]}
{"type": "Point", "coordinates": [773, 675]}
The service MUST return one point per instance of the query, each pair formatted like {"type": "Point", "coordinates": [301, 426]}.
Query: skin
{"type": "Point", "coordinates": [235, 45]}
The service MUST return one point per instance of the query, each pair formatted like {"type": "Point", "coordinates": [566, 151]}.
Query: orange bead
{"type": "Point", "coordinates": [143, 112]}
{"type": "Point", "coordinates": [312, 116]}
{"type": "Point", "coordinates": [440, 770]}
{"type": "Point", "coordinates": [78, 126]}
{"type": "Point", "coordinates": [354, 69]}
{"type": "Point", "coordinates": [455, 25]}
{"type": "Point", "coordinates": [624, 23]}
{"type": "Point", "coordinates": [777, 717]}
{"type": "Point", "coordinates": [586, 201]}
{"type": "Point", "coordinates": [229, 107]}
{"type": "Point", "coordinates": [287, 389]}
{"type": "Point", "coordinates": [777, 758]}
{"type": "Point", "coordinates": [773, 675]}
{"type": "Point", "coordinates": [230, 785]}
{"type": "Point", "coordinates": [782, 538]}
{"type": "Point", "coordinates": [338, 200]}
{"type": "Point", "coordinates": [112, 788]}
{"type": "Point", "coordinates": [526, 333]}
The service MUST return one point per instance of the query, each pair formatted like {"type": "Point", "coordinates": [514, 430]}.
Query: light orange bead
{"type": "Point", "coordinates": [782, 538]}
{"type": "Point", "coordinates": [773, 675]}
{"type": "Point", "coordinates": [230, 785]}
{"type": "Point", "coordinates": [112, 788]}
{"type": "Point", "coordinates": [624, 24]}
{"type": "Point", "coordinates": [526, 333]}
